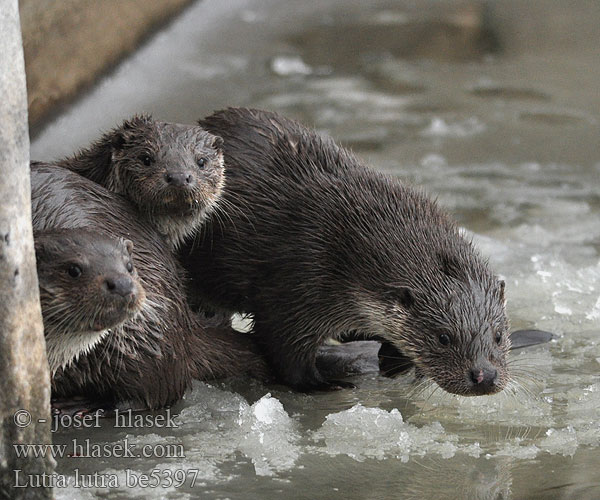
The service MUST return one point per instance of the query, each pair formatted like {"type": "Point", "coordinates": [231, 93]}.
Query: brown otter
{"type": "Point", "coordinates": [88, 288]}
{"type": "Point", "coordinates": [172, 173]}
{"type": "Point", "coordinates": [314, 244]}
{"type": "Point", "coordinates": [151, 364]}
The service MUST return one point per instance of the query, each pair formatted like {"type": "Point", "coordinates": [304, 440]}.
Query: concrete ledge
{"type": "Point", "coordinates": [69, 43]}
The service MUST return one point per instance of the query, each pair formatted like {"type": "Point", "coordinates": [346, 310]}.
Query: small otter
{"type": "Point", "coordinates": [172, 173]}
{"type": "Point", "coordinates": [88, 288]}
{"type": "Point", "coordinates": [166, 345]}
{"type": "Point", "coordinates": [314, 244]}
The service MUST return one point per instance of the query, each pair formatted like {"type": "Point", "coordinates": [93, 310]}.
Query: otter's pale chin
{"type": "Point", "coordinates": [460, 389]}
{"type": "Point", "coordinates": [117, 316]}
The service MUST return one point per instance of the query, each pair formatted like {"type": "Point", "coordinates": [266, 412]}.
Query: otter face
{"type": "Point", "coordinates": [459, 338]}
{"type": "Point", "coordinates": [457, 335]}
{"type": "Point", "coordinates": [88, 285]}
{"type": "Point", "coordinates": [173, 173]}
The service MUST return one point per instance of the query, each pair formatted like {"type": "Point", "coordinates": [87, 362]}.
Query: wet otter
{"type": "Point", "coordinates": [151, 364]}
{"type": "Point", "coordinates": [88, 288]}
{"type": "Point", "coordinates": [172, 173]}
{"type": "Point", "coordinates": [314, 244]}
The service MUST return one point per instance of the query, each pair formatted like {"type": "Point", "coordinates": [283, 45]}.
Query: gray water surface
{"type": "Point", "coordinates": [493, 108]}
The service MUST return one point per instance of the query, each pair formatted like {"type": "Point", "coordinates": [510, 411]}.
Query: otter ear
{"type": "Point", "coordinates": [137, 121]}
{"type": "Point", "coordinates": [118, 141]}
{"type": "Point", "coordinates": [217, 142]}
{"type": "Point", "coordinates": [501, 283]}
{"type": "Point", "coordinates": [129, 246]}
{"type": "Point", "coordinates": [128, 129]}
{"type": "Point", "coordinates": [404, 296]}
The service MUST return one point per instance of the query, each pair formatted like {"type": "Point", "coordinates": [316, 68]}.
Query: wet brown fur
{"type": "Point", "coordinates": [153, 361]}
{"type": "Point", "coordinates": [117, 162]}
{"type": "Point", "coordinates": [88, 288]}
{"type": "Point", "coordinates": [314, 245]}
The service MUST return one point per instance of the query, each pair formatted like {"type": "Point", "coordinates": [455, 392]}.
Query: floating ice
{"type": "Point", "coordinates": [515, 449]}
{"type": "Point", "coordinates": [594, 313]}
{"type": "Point", "coordinates": [73, 493]}
{"type": "Point", "coordinates": [465, 128]}
{"type": "Point", "coordinates": [434, 161]}
{"type": "Point", "coordinates": [268, 436]}
{"type": "Point", "coordinates": [290, 65]}
{"type": "Point", "coordinates": [225, 424]}
{"type": "Point", "coordinates": [560, 441]}
{"type": "Point", "coordinates": [363, 433]}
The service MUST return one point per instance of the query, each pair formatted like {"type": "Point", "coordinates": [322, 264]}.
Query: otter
{"type": "Point", "coordinates": [152, 362]}
{"type": "Point", "coordinates": [172, 173]}
{"type": "Point", "coordinates": [314, 244]}
{"type": "Point", "coordinates": [88, 288]}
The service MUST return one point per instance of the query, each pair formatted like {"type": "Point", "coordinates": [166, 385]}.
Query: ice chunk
{"type": "Point", "coordinates": [594, 313]}
{"type": "Point", "coordinates": [290, 65]}
{"type": "Point", "coordinates": [242, 323]}
{"type": "Point", "coordinates": [560, 441]}
{"type": "Point", "coordinates": [72, 493]}
{"type": "Point", "coordinates": [433, 161]}
{"type": "Point", "coordinates": [513, 448]}
{"type": "Point", "coordinates": [583, 403]}
{"type": "Point", "coordinates": [268, 436]}
{"type": "Point", "coordinates": [362, 433]}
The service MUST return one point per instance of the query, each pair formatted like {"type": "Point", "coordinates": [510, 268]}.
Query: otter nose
{"type": "Point", "coordinates": [179, 179]}
{"type": "Point", "coordinates": [121, 285]}
{"type": "Point", "coordinates": [485, 377]}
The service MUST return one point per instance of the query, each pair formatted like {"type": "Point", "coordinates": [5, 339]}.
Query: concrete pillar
{"type": "Point", "coordinates": [24, 377]}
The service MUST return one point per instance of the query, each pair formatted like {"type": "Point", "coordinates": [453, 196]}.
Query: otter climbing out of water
{"type": "Point", "coordinates": [315, 245]}
{"type": "Point", "coordinates": [88, 287]}
{"type": "Point", "coordinates": [172, 173]}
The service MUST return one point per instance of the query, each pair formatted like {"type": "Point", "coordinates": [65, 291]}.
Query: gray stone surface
{"type": "Point", "coordinates": [24, 378]}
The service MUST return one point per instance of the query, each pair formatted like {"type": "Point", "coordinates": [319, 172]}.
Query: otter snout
{"type": "Point", "coordinates": [483, 379]}
{"type": "Point", "coordinates": [120, 285]}
{"type": "Point", "coordinates": [180, 179]}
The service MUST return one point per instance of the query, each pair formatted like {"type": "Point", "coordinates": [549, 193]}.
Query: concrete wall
{"type": "Point", "coordinates": [69, 43]}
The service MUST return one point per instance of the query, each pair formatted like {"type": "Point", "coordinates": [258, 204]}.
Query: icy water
{"type": "Point", "coordinates": [493, 108]}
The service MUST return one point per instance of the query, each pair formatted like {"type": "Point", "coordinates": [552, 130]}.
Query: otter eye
{"type": "Point", "coordinates": [129, 267]}
{"type": "Point", "coordinates": [74, 271]}
{"type": "Point", "coordinates": [201, 162]}
{"type": "Point", "coordinates": [146, 160]}
{"type": "Point", "coordinates": [498, 337]}
{"type": "Point", "coordinates": [444, 339]}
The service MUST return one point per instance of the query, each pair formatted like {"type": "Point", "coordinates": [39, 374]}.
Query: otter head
{"type": "Point", "coordinates": [173, 173]}
{"type": "Point", "coordinates": [451, 325]}
{"type": "Point", "coordinates": [88, 285]}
